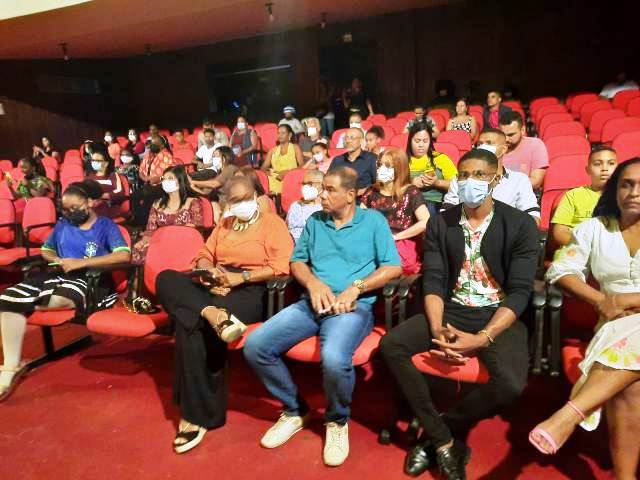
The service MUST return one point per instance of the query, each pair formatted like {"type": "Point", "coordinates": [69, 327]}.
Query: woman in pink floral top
{"type": "Point", "coordinates": [177, 206]}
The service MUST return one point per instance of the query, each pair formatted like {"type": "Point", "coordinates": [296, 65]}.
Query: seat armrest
{"type": "Point", "coordinates": [281, 286]}
{"type": "Point", "coordinates": [388, 293]}
{"type": "Point", "coordinates": [554, 302]}
{"type": "Point", "coordinates": [404, 288]}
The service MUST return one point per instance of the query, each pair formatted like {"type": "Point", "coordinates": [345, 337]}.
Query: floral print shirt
{"type": "Point", "coordinates": [475, 287]}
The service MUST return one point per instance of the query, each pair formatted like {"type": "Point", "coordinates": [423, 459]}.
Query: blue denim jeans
{"type": "Point", "coordinates": [340, 335]}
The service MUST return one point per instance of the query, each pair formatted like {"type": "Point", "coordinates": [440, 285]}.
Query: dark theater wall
{"type": "Point", "coordinates": [544, 47]}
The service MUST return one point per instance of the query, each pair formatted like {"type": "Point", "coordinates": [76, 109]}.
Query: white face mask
{"type": "Point", "coordinates": [108, 138]}
{"type": "Point", "coordinates": [386, 174]}
{"type": "Point", "coordinates": [311, 131]}
{"type": "Point", "coordinates": [126, 159]}
{"type": "Point", "coordinates": [96, 165]}
{"type": "Point", "coordinates": [318, 157]}
{"type": "Point", "coordinates": [473, 192]}
{"type": "Point", "coordinates": [488, 148]}
{"type": "Point", "coordinates": [236, 150]}
{"type": "Point", "coordinates": [132, 137]}
{"type": "Point", "coordinates": [170, 186]}
{"type": "Point", "coordinates": [354, 125]}
{"type": "Point", "coordinates": [244, 210]}
{"type": "Point", "coordinates": [241, 125]}
{"type": "Point", "coordinates": [309, 192]}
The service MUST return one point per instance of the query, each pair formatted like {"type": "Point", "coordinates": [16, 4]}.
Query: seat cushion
{"type": "Point", "coordinates": [472, 372]}
{"type": "Point", "coordinates": [309, 350]}
{"type": "Point", "coordinates": [119, 321]}
{"type": "Point", "coordinates": [51, 318]}
{"type": "Point", "coordinates": [573, 353]}
{"type": "Point", "coordinates": [11, 255]}
{"type": "Point", "coordinates": [238, 344]}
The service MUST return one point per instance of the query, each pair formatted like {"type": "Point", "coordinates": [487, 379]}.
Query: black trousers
{"type": "Point", "coordinates": [506, 360]}
{"type": "Point", "coordinates": [199, 386]}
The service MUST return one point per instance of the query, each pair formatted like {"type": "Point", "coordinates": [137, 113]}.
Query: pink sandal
{"type": "Point", "coordinates": [544, 434]}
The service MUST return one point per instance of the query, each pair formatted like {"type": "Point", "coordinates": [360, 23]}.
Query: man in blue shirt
{"type": "Point", "coordinates": [364, 163]}
{"type": "Point", "coordinates": [343, 255]}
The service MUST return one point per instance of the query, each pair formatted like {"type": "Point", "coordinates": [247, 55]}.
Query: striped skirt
{"type": "Point", "coordinates": [38, 289]}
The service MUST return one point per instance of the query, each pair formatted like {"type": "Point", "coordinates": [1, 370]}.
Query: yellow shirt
{"type": "Point", "coordinates": [280, 163]}
{"type": "Point", "coordinates": [576, 206]}
{"type": "Point", "coordinates": [422, 165]}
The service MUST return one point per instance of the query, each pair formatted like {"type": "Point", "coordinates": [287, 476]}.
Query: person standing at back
{"type": "Point", "coordinates": [494, 109]}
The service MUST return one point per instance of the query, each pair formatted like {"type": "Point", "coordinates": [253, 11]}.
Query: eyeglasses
{"type": "Point", "coordinates": [477, 175]}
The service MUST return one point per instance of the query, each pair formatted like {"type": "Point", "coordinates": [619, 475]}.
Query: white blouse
{"type": "Point", "coordinates": [597, 246]}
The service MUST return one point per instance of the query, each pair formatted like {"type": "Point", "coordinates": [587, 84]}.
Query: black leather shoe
{"type": "Point", "coordinates": [419, 459]}
{"type": "Point", "coordinates": [452, 461]}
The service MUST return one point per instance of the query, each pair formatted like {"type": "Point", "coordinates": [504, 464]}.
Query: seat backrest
{"type": "Point", "coordinates": [71, 153]}
{"type": "Point", "coordinates": [397, 124]}
{"type": "Point", "coordinates": [366, 125]}
{"type": "Point", "coordinates": [6, 165]}
{"type": "Point", "coordinates": [122, 141]}
{"type": "Point", "coordinates": [615, 127]}
{"type": "Point", "coordinates": [335, 136]}
{"type": "Point", "coordinates": [548, 109]}
{"type": "Point", "coordinates": [388, 133]}
{"type": "Point", "coordinates": [334, 152]}
{"type": "Point", "coordinates": [564, 128]}
{"type": "Point", "coordinates": [37, 211]}
{"type": "Point", "coordinates": [269, 137]}
{"type": "Point", "coordinates": [551, 119]}
{"type": "Point", "coordinates": [571, 97]}
{"type": "Point", "coordinates": [71, 161]}
{"type": "Point", "coordinates": [551, 246]}
{"type": "Point", "coordinates": [539, 102]}
{"type": "Point", "coordinates": [460, 138]}
{"type": "Point", "coordinates": [51, 173]}
{"type": "Point", "coordinates": [51, 162]}
{"type": "Point", "coordinates": [589, 108]}
{"type": "Point", "coordinates": [67, 180]}
{"type": "Point", "coordinates": [120, 277]}
{"type": "Point", "coordinates": [549, 198]}
{"type": "Point", "coordinates": [183, 155]}
{"type": "Point", "coordinates": [622, 99]}
{"type": "Point", "coordinates": [449, 149]}
{"type": "Point", "coordinates": [377, 119]}
{"type": "Point", "coordinates": [479, 121]}
{"type": "Point", "coordinates": [71, 169]}
{"type": "Point", "coordinates": [182, 242]}
{"type": "Point", "coordinates": [16, 174]}
{"type": "Point", "coordinates": [207, 213]}
{"type": "Point", "coordinates": [406, 116]}
{"type": "Point", "coordinates": [291, 187]}
{"type": "Point", "coordinates": [633, 107]}
{"type": "Point", "coordinates": [627, 145]}
{"type": "Point", "coordinates": [580, 100]}
{"type": "Point", "coordinates": [264, 180]}
{"type": "Point", "coordinates": [439, 120]}
{"type": "Point", "coordinates": [567, 145]}
{"type": "Point", "coordinates": [7, 222]}
{"type": "Point", "coordinates": [567, 171]}
{"type": "Point", "coordinates": [443, 112]}
{"type": "Point", "coordinates": [399, 140]}
{"type": "Point", "coordinates": [599, 119]}
{"type": "Point", "coordinates": [476, 108]}
{"type": "Point", "coordinates": [193, 140]}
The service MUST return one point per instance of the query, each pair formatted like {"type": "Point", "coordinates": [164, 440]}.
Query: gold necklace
{"type": "Point", "coordinates": [240, 226]}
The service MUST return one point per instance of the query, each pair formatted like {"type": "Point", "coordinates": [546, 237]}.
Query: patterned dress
{"type": "Point", "coordinates": [598, 246]}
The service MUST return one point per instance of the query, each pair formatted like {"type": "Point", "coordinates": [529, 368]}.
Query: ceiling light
{"type": "Point", "coordinates": [65, 54]}
{"type": "Point", "coordinates": [269, 7]}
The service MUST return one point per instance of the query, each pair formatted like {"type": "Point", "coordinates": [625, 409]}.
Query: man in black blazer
{"type": "Point", "coordinates": [479, 264]}
{"type": "Point", "coordinates": [493, 110]}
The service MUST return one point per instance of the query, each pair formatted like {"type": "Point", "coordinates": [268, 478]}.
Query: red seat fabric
{"type": "Point", "coordinates": [6, 165]}
{"type": "Point", "coordinates": [547, 110]}
{"type": "Point", "coordinates": [120, 322]}
{"type": "Point", "coordinates": [622, 99]}
{"type": "Point", "coordinates": [540, 102]}
{"type": "Point", "coordinates": [239, 343]}
{"type": "Point", "coordinates": [7, 222]}
{"type": "Point", "coordinates": [335, 137]}
{"type": "Point", "coordinates": [366, 125]}
{"type": "Point", "coordinates": [459, 138]}
{"type": "Point", "coordinates": [615, 127]}
{"type": "Point", "coordinates": [567, 171]}
{"type": "Point", "coordinates": [9, 256]}
{"type": "Point", "coordinates": [548, 202]}
{"type": "Point", "coordinates": [264, 180]}
{"type": "Point", "coordinates": [406, 116]}
{"type": "Point", "coordinates": [599, 119]}
{"type": "Point", "coordinates": [589, 108]}
{"type": "Point", "coordinates": [388, 133]}
{"type": "Point", "coordinates": [567, 145]}
{"type": "Point", "coordinates": [377, 119]}
{"type": "Point", "coordinates": [291, 187]}
{"type": "Point", "coordinates": [53, 318]}
{"type": "Point", "coordinates": [572, 354]}
{"type": "Point", "coordinates": [268, 136]}
{"type": "Point", "coordinates": [309, 350]}
{"type": "Point", "coordinates": [564, 128]}
{"type": "Point", "coordinates": [207, 213]}
{"type": "Point", "coordinates": [184, 155]}
{"type": "Point", "coordinates": [334, 152]}
{"type": "Point", "coordinates": [399, 140]}
{"type": "Point", "coordinates": [552, 118]}
{"type": "Point", "coordinates": [444, 112]}
{"type": "Point", "coordinates": [397, 124]}
{"type": "Point", "coordinates": [449, 149]}
{"type": "Point", "coordinates": [633, 107]}
{"type": "Point", "coordinates": [439, 120]}
{"type": "Point", "coordinates": [471, 372]}
{"type": "Point", "coordinates": [627, 145]}
{"type": "Point", "coordinates": [580, 100]}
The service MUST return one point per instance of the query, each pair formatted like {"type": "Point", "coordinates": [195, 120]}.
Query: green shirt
{"type": "Point", "coordinates": [576, 206]}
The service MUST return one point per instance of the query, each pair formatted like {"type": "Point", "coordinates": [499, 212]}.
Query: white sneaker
{"type": "Point", "coordinates": [285, 428]}
{"type": "Point", "coordinates": [336, 446]}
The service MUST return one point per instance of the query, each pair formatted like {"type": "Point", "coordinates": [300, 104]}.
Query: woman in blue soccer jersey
{"type": "Point", "coordinates": [80, 240]}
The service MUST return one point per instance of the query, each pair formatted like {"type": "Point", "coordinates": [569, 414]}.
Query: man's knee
{"type": "Point", "coordinates": [166, 281]}
{"type": "Point", "coordinates": [58, 301]}
{"type": "Point", "coordinates": [335, 362]}
{"type": "Point", "coordinates": [255, 349]}
{"type": "Point", "coordinates": [507, 389]}
{"type": "Point", "coordinates": [391, 345]}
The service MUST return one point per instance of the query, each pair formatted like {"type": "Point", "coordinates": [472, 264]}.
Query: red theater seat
{"type": "Point", "coordinates": [459, 138]}
{"type": "Point", "coordinates": [549, 109]}
{"type": "Point", "coordinates": [291, 188]}
{"type": "Point", "coordinates": [399, 140]}
{"type": "Point", "coordinates": [573, 353]}
{"type": "Point", "coordinates": [580, 100]}
{"type": "Point", "coordinates": [599, 119]}
{"type": "Point", "coordinates": [540, 102]}
{"type": "Point", "coordinates": [449, 149]}
{"type": "Point", "coordinates": [589, 108]}
{"type": "Point", "coordinates": [622, 99]}
{"type": "Point", "coordinates": [471, 372]}
{"type": "Point", "coordinates": [567, 145]}
{"type": "Point", "coordinates": [552, 118]}
{"type": "Point", "coordinates": [567, 171]}
{"type": "Point", "coordinates": [615, 127]}
{"type": "Point", "coordinates": [633, 107]}
{"type": "Point", "coordinates": [397, 124]}
{"type": "Point", "coordinates": [563, 129]}
{"type": "Point", "coordinates": [627, 145]}
{"type": "Point", "coordinates": [377, 119]}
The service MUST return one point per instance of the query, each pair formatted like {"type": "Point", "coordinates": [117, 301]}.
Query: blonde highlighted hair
{"type": "Point", "coordinates": [400, 164]}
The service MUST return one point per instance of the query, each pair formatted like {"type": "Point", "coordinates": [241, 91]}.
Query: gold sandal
{"type": "Point", "coordinates": [228, 330]}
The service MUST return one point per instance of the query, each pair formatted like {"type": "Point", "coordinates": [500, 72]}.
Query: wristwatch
{"type": "Point", "coordinates": [359, 284]}
{"type": "Point", "coordinates": [246, 276]}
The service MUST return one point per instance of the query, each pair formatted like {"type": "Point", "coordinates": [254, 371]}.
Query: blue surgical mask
{"type": "Point", "coordinates": [96, 165]}
{"type": "Point", "coordinates": [473, 192]}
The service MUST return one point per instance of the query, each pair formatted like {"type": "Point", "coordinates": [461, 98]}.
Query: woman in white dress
{"type": "Point", "coordinates": [608, 246]}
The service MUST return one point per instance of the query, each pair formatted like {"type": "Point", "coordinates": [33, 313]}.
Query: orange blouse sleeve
{"type": "Point", "coordinates": [278, 246]}
{"type": "Point", "coordinates": [209, 248]}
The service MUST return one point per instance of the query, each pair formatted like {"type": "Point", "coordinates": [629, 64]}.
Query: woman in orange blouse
{"type": "Point", "coordinates": [247, 248]}
{"type": "Point", "coordinates": [155, 162]}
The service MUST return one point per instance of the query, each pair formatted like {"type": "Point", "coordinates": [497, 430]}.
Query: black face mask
{"type": "Point", "coordinates": [154, 148]}
{"type": "Point", "coordinates": [76, 217]}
